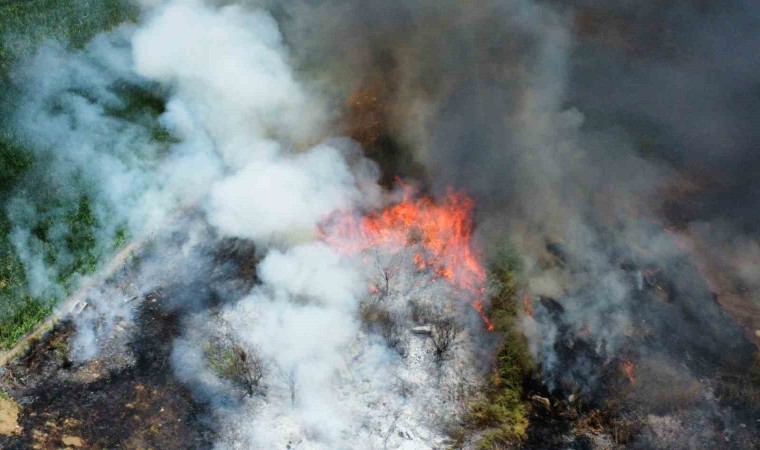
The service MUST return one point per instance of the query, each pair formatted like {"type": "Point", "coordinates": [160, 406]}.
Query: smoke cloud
{"type": "Point", "coordinates": [612, 145]}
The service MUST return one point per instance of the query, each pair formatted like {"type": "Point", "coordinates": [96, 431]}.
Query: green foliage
{"type": "Point", "coordinates": [14, 161]}
{"type": "Point", "coordinates": [221, 361]}
{"type": "Point", "coordinates": [12, 275]}
{"type": "Point", "coordinates": [22, 319]}
{"type": "Point", "coordinates": [121, 237]}
{"type": "Point", "coordinates": [18, 312]}
{"type": "Point", "coordinates": [230, 361]}
{"type": "Point", "coordinates": [25, 24]}
{"type": "Point", "coordinates": [60, 348]}
{"type": "Point", "coordinates": [501, 416]}
{"type": "Point", "coordinates": [81, 240]}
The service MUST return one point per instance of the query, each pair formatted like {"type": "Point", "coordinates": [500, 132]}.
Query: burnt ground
{"type": "Point", "coordinates": [106, 403]}
{"type": "Point", "coordinates": [686, 376]}
{"type": "Point", "coordinates": [689, 390]}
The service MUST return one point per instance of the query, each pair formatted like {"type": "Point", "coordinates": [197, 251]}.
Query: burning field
{"type": "Point", "coordinates": [355, 225]}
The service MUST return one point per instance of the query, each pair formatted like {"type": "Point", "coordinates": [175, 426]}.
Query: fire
{"type": "Point", "coordinates": [442, 232]}
{"type": "Point", "coordinates": [630, 370]}
{"type": "Point", "coordinates": [528, 306]}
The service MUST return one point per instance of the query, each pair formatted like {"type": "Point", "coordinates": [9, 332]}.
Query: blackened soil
{"type": "Point", "coordinates": [139, 406]}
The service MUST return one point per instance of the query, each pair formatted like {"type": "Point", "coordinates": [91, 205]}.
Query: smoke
{"type": "Point", "coordinates": [301, 192]}
{"type": "Point", "coordinates": [193, 129]}
{"type": "Point", "coordinates": [529, 107]}
{"type": "Point", "coordinates": [231, 80]}
{"type": "Point", "coordinates": [584, 133]}
{"type": "Point", "coordinates": [602, 140]}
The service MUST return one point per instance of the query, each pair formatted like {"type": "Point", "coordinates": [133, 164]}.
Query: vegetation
{"type": "Point", "coordinates": [500, 417]}
{"type": "Point", "coordinates": [75, 250]}
{"type": "Point", "coordinates": [443, 334]}
{"type": "Point", "coordinates": [23, 317]}
{"type": "Point", "coordinates": [25, 24]}
{"type": "Point", "coordinates": [19, 311]}
{"type": "Point", "coordinates": [230, 361]}
{"type": "Point", "coordinates": [740, 386]}
{"type": "Point", "coordinates": [376, 319]}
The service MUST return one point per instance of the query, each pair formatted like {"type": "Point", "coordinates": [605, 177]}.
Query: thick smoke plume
{"type": "Point", "coordinates": [245, 156]}
{"type": "Point", "coordinates": [509, 100]}
{"type": "Point", "coordinates": [612, 146]}
{"type": "Point", "coordinates": [603, 140]}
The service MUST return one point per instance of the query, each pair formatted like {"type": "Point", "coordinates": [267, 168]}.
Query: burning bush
{"type": "Point", "coordinates": [438, 236]}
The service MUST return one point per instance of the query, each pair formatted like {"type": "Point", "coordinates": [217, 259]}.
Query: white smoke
{"type": "Point", "coordinates": [251, 152]}
{"type": "Point", "coordinates": [269, 197]}
{"type": "Point", "coordinates": [253, 155]}
{"type": "Point", "coordinates": [329, 384]}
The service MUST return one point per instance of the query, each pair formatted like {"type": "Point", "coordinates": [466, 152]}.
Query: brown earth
{"type": "Point", "coordinates": [102, 404]}
{"type": "Point", "coordinates": [8, 417]}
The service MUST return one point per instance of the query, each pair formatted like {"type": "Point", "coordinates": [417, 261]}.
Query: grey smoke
{"type": "Point", "coordinates": [251, 155]}
{"type": "Point", "coordinates": [563, 135]}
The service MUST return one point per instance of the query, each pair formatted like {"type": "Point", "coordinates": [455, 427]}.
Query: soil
{"type": "Point", "coordinates": [8, 417]}
{"type": "Point", "coordinates": [103, 403]}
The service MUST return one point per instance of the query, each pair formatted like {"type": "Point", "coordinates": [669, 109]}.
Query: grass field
{"type": "Point", "coordinates": [24, 25]}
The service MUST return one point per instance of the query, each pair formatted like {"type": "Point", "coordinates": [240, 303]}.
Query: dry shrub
{"type": "Point", "coordinates": [591, 423]}
{"type": "Point", "coordinates": [244, 368]}
{"type": "Point", "coordinates": [376, 319]}
{"type": "Point", "coordinates": [443, 335]}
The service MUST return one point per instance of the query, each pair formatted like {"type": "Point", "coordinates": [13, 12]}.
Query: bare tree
{"type": "Point", "coordinates": [443, 333]}
{"type": "Point", "coordinates": [252, 369]}
{"type": "Point", "coordinates": [378, 320]}
{"type": "Point", "coordinates": [388, 272]}
{"type": "Point", "coordinates": [394, 336]}
{"type": "Point", "coordinates": [290, 379]}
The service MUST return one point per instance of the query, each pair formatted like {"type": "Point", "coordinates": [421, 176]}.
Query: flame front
{"type": "Point", "coordinates": [441, 231]}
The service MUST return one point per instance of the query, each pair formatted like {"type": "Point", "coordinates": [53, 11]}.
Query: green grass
{"type": "Point", "coordinates": [23, 318]}
{"type": "Point", "coordinates": [24, 25]}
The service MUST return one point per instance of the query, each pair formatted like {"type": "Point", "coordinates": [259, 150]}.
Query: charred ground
{"type": "Point", "coordinates": [107, 402]}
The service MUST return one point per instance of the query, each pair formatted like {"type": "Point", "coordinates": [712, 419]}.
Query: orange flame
{"type": "Point", "coordinates": [528, 305]}
{"type": "Point", "coordinates": [442, 231]}
{"type": "Point", "coordinates": [630, 370]}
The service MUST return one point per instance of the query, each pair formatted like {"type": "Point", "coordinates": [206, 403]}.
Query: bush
{"type": "Point", "coordinates": [245, 369]}
{"type": "Point", "coordinates": [500, 416]}
{"type": "Point", "coordinates": [376, 319]}
{"type": "Point", "coordinates": [443, 335]}
{"type": "Point", "coordinates": [503, 417]}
